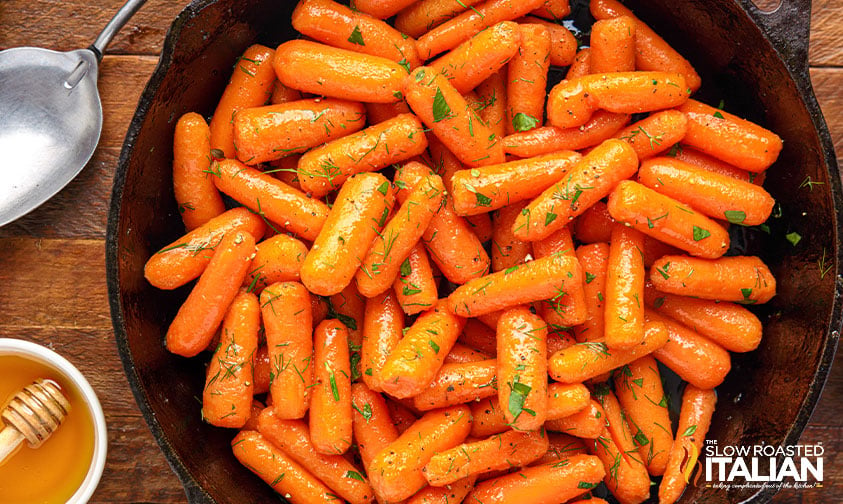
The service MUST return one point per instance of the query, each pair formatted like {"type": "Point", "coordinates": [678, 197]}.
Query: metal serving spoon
{"type": "Point", "coordinates": [50, 118]}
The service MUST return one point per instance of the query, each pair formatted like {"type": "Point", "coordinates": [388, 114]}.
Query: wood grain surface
{"type": "Point", "coordinates": [52, 261]}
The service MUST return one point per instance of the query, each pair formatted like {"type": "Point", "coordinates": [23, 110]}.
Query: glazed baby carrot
{"type": "Point", "coordinates": [651, 51]}
{"type": "Point", "coordinates": [348, 232]}
{"type": "Point", "coordinates": [487, 418]}
{"type": "Point", "coordinates": [250, 86]}
{"type": "Point", "coordinates": [277, 131]}
{"type": "Point", "coordinates": [481, 190]}
{"type": "Point", "coordinates": [563, 44]}
{"type": "Point", "coordinates": [287, 320]}
{"type": "Point", "coordinates": [349, 307]}
{"type": "Point", "coordinates": [656, 133]}
{"type": "Point", "coordinates": [255, 410]}
{"type": "Point", "coordinates": [542, 484]}
{"type": "Point", "coordinates": [382, 9]}
{"type": "Point", "coordinates": [413, 363]}
{"type": "Point", "coordinates": [197, 197]}
{"type": "Point", "coordinates": [202, 312]}
{"type": "Point", "coordinates": [741, 279]}
{"type": "Point", "coordinates": [522, 368]}
{"type": "Point", "coordinates": [694, 421]}
{"type": "Point", "coordinates": [588, 423]}
{"type": "Point", "coordinates": [594, 260]}
{"type": "Point", "coordinates": [548, 139]}
{"type": "Point", "coordinates": [443, 109]}
{"type": "Point", "coordinates": [329, 71]}
{"type": "Point", "coordinates": [278, 469]}
{"type": "Point", "coordinates": [424, 15]}
{"type": "Point", "coordinates": [402, 417]}
{"type": "Point", "coordinates": [373, 428]}
{"type": "Point", "coordinates": [586, 183]}
{"type": "Point", "coordinates": [613, 45]}
{"type": "Point", "coordinates": [526, 86]}
{"type": "Point", "coordinates": [553, 9]}
{"type": "Point", "coordinates": [330, 404]}
{"type": "Point", "coordinates": [492, 95]}
{"type": "Point", "coordinates": [382, 329]}
{"type": "Point", "coordinates": [624, 295]}
{"type": "Point", "coordinates": [581, 65]}
{"type": "Point", "coordinates": [725, 136]}
{"type": "Point", "coordinates": [695, 358]}
{"type": "Point", "coordinates": [718, 196]}
{"type": "Point", "coordinates": [589, 359]}
{"type": "Point", "coordinates": [626, 479]}
{"type": "Point", "coordinates": [461, 354]}
{"type": "Point", "coordinates": [270, 198]}
{"type": "Point", "coordinates": [479, 336]}
{"type": "Point", "coordinates": [476, 59]}
{"type": "Point", "coordinates": [544, 278]}
{"type": "Point", "coordinates": [355, 30]}
{"type": "Point", "coordinates": [187, 257]}
{"type": "Point", "coordinates": [380, 112]}
{"type": "Point", "coordinates": [277, 259]}
{"type": "Point", "coordinates": [396, 472]}
{"type": "Point", "coordinates": [510, 449]}
{"type": "Point", "coordinates": [447, 494]}
{"type": "Point", "coordinates": [284, 169]}
{"type": "Point", "coordinates": [558, 339]}
{"type": "Point", "coordinates": [283, 94]}
{"type": "Point", "coordinates": [229, 382]}
{"type": "Point", "coordinates": [668, 220]}
{"type": "Point", "coordinates": [328, 166]}
{"type": "Point", "coordinates": [507, 250]}
{"type": "Point", "coordinates": [631, 478]}
{"type": "Point", "coordinates": [572, 102]}
{"type": "Point", "coordinates": [261, 371]}
{"type": "Point", "coordinates": [458, 383]}
{"type": "Point", "coordinates": [561, 447]}
{"type": "Point", "coordinates": [295, 440]}
{"type": "Point", "coordinates": [382, 263]}
{"type": "Point", "coordinates": [712, 164]}
{"type": "Point", "coordinates": [559, 242]}
{"type": "Point", "coordinates": [564, 400]}
{"type": "Point", "coordinates": [415, 288]}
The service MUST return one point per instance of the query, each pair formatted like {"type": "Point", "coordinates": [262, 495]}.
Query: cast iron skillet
{"type": "Point", "coordinates": [756, 61]}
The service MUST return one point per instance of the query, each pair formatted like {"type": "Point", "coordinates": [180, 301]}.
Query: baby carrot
{"type": "Point", "coordinates": [373, 428]}
{"type": "Point", "coordinates": [261, 372]}
{"type": "Point", "coordinates": [553, 9]}
{"type": "Point", "coordinates": [656, 133]}
{"type": "Point", "coordinates": [586, 183]}
{"type": "Point", "coordinates": [349, 307]}
{"type": "Point", "coordinates": [613, 45]}
{"type": "Point", "coordinates": [695, 358]}
{"type": "Point", "coordinates": [254, 412]}
{"type": "Point", "coordinates": [526, 86]}
{"type": "Point", "coordinates": [200, 315]}
{"type": "Point", "coordinates": [481, 190]}
{"type": "Point", "coordinates": [270, 198]}
{"type": "Point", "coordinates": [379, 112]}
{"type": "Point", "coordinates": [559, 242]}
{"type": "Point", "coordinates": [229, 383]}
{"type": "Point", "coordinates": [594, 259]}
{"type": "Point", "coordinates": [413, 363]}
{"type": "Point", "coordinates": [507, 250]}
{"type": "Point", "coordinates": [728, 137]}
{"type": "Point", "coordinates": [250, 86]}
{"type": "Point", "coordinates": [402, 417]}
{"type": "Point", "coordinates": [197, 197]}
{"type": "Point", "coordinates": [741, 279]}
{"type": "Point", "coordinates": [457, 384]}
{"type": "Point", "coordinates": [632, 478]}
{"type": "Point", "coordinates": [337, 25]}
{"type": "Point", "coordinates": [447, 494]}
{"type": "Point", "coordinates": [348, 232]}
{"type": "Point", "coordinates": [339, 73]}
{"type": "Point", "coordinates": [581, 65]}
{"type": "Point", "coordinates": [284, 169]}
{"type": "Point", "coordinates": [479, 336]}
{"type": "Point", "coordinates": [564, 400]}
{"type": "Point", "coordinates": [277, 131]}
{"type": "Point", "coordinates": [561, 447]}
{"type": "Point", "coordinates": [492, 95]}
{"type": "Point", "coordinates": [287, 320]}
{"type": "Point", "coordinates": [718, 196]}
{"type": "Point", "coordinates": [330, 404]}
{"type": "Point", "coordinates": [510, 449]}
{"type": "Point", "coordinates": [487, 418]}
{"type": "Point", "coordinates": [544, 278]}
{"type": "Point", "coordinates": [548, 139]}
{"type": "Point", "coordinates": [278, 469]}
{"type": "Point", "coordinates": [382, 263]}
{"type": "Point", "coordinates": [589, 359]}
{"type": "Point", "coordinates": [590, 499]}
{"type": "Point", "coordinates": [563, 44]}
{"type": "Point", "coordinates": [382, 330]}
{"type": "Point", "coordinates": [712, 164]}
{"type": "Point", "coordinates": [668, 220]}
{"type": "Point", "coordinates": [328, 166]}
{"type": "Point", "coordinates": [587, 423]}
{"type": "Point", "coordinates": [443, 109]}
{"type": "Point", "coordinates": [295, 440]}
{"type": "Point", "coordinates": [423, 15]}
{"type": "Point", "coordinates": [626, 479]}
{"type": "Point", "coordinates": [522, 368]}
{"type": "Point", "coordinates": [283, 94]}
{"type": "Point", "coordinates": [396, 472]}
{"type": "Point", "coordinates": [542, 484]}
{"type": "Point", "coordinates": [381, 9]}
{"type": "Point", "coordinates": [415, 288]}
{"type": "Point", "coordinates": [624, 304]}
{"type": "Point", "coordinates": [694, 421]}
{"type": "Point", "coordinates": [558, 339]}
{"type": "Point", "coordinates": [277, 259]}
{"type": "Point", "coordinates": [651, 51]}
{"type": "Point", "coordinates": [462, 354]}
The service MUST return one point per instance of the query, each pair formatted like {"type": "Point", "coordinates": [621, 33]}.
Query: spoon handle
{"type": "Point", "coordinates": [10, 441]}
{"type": "Point", "coordinates": [127, 11]}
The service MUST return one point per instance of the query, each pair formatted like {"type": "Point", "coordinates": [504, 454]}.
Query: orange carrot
{"type": "Point", "coordinates": [656, 133]}
{"type": "Point", "coordinates": [487, 418]}
{"type": "Point", "coordinates": [694, 421]}
{"type": "Point", "coordinates": [283, 94]}
{"type": "Point", "coordinates": [285, 170]}
{"type": "Point", "coordinates": [507, 250]}
{"type": "Point", "coordinates": [250, 86]}
{"type": "Point", "coordinates": [197, 197]}
{"type": "Point", "coordinates": [402, 417]}
{"type": "Point", "coordinates": [479, 336]}
{"type": "Point", "coordinates": [547, 139]}
{"type": "Point", "coordinates": [492, 95]}
{"type": "Point", "coordinates": [587, 182]}
{"type": "Point", "coordinates": [742, 279]}
{"type": "Point", "coordinates": [668, 220]}
{"type": "Point", "coordinates": [553, 9]}
{"type": "Point", "coordinates": [423, 15]}
{"type": "Point", "coordinates": [712, 164]}
{"type": "Point", "coordinates": [379, 112]}
{"type": "Point", "coordinates": [590, 499]}
{"type": "Point", "coordinates": [287, 320]}
{"type": "Point", "coordinates": [561, 447]}
{"type": "Point", "coordinates": [624, 305]}
{"type": "Point", "coordinates": [373, 428]}
{"type": "Point", "coordinates": [270, 198]}
{"type": "Point", "coordinates": [382, 9]}
{"type": "Point", "coordinates": [443, 109]}
{"type": "Point", "coordinates": [448, 494]}
{"type": "Point", "coordinates": [349, 307]}
{"type": "Point", "coordinates": [229, 383]}
{"type": "Point", "coordinates": [330, 404]}
{"type": "Point", "coordinates": [581, 65]}
{"type": "Point", "coordinates": [564, 400]}
{"type": "Point", "coordinates": [569, 309]}
{"type": "Point", "coordinates": [338, 73]}
{"type": "Point", "coordinates": [277, 259]}
{"type": "Point", "coordinates": [202, 312]}
{"type": "Point", "coordinates": [594, 259]}
{"type": "Point", "coordinates": [278, 469]}
{"type": "Point", "coordinates": [262, 370]}
{"type": "Point", "coordinates": [255, 410]}
{"type": "Point", "coordinates": [626, 479]}
{"type": "Point", "coordinates": [328, 166]}
{"type": "Point", "coordinates": [558, 339]}
{"type": "Point", "coordinates": [462, 354]}
{"type": "Point", "coordinates": [415, 287]}
{"type": "Point", "coordinates": [560, 242]}
{"type": "Point", "coordinates": [613, 45]}
{"type": "Point", "coordinates": [586, 424]}
{"type": "Point", "coordinates": [563, 47]}
{"type": "Point", "coordinates": [481, 225]}
{"type": "Point", "coordinates": [348, 232]}
{"type": "Point", "coordinates": [526, 86]}
{"type": "Point", "coordinates": [396, 472]}
{"type": "Point", "coordinates": [457, 384]}
{"type": "Point", "coordinates": [382, 330]}
{"type": "Point", "coordinates": [522, 368]}
{"type": "Point", "coordinates": [594, 225]}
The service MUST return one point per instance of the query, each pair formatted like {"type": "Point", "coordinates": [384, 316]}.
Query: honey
{"type": "Point", "coordinates": [52, 473]}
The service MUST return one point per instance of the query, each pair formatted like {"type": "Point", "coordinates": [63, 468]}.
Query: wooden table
{"type": "Point", "coordinates": [52, 261]}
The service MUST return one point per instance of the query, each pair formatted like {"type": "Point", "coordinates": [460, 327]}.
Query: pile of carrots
{"type": "Point", "coordinates": [424, 279]}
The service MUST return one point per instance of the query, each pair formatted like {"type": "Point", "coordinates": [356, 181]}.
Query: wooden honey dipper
{"type": "Point", "coordinates": [33, 415]}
